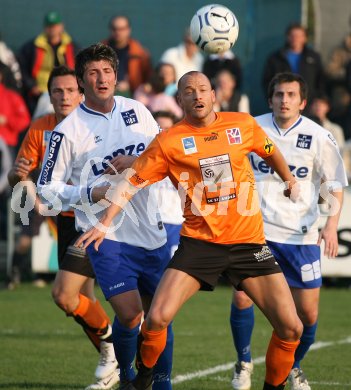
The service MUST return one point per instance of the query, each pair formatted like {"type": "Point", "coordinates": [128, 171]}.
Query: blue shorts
{"type": "Point", "coordinates": [300, 264]}
{"type": "Point", "coordinates": [120, 267]}
{"type": "Point", "coordinates": [173, 236]}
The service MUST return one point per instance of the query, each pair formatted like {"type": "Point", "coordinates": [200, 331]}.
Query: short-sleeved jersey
{"type": "Point", "coordinates": [216, 182]}
{"type": "Point", "coordinates": [313, 156]}
{"type": "Point", "coordinates": [79, 150]}
{"type": "Point", "coordinates": [34, 143]}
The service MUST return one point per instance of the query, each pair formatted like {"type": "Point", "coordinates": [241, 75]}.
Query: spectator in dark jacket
{"type": "Point", "coordinates": [297, 57]}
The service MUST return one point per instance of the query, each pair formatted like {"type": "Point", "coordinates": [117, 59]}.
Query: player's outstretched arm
{"type": "Point", "coordinates": [329, 232]}
{"type": "Point", "coordinates": [118, 196]}
{"type": "Point", "coordinates": [278, 163]}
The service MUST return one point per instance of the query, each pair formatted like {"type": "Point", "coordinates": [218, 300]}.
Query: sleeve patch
{"type": "Point", "coordinates": [268, 146]}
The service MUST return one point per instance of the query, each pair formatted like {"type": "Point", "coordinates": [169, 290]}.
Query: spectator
{"type": "Point", "coordinates": [152, 95]}
{"type": "Point", "coordinates": [296, 57]}
{"type": "Point", "coordinates": [184, 57]}
{"type": "Point", "coordinates": [8, 58]}
{"type": "Point", "coordinates": [168, 73]}
{"type": "Point", "coordinates": [320, 108]}
{"type": "Point", "coordinates": [134, 66]}
{"type": "Point", "coordinates": [228, 97]}
{"type": "Point", "coordinates": [37, 58]}
{"type": "Point", "coordinates": [339, 86]}
{"type": "Point", "coordinates": [228, 61]}
{"type": "Point", "coordinates": [14, 116]}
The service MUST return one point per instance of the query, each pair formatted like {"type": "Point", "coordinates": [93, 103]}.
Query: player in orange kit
{"type": "Point", "coordinates": [205, 155]}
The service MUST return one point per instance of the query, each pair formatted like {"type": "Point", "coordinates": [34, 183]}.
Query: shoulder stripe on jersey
{"type": "Point", "coordinates": [53, 149]}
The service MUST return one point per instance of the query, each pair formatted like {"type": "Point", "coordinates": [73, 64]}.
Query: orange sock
{"type": "Point", "coordinates": [279, 360]}
{"type": "Point", "coordinates": [93, 318]}
{"type": "Point", "coordinates": [154, 342]}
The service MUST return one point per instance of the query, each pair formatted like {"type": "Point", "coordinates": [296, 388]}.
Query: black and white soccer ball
{"type": "Point", "coordinates": [214, 28]}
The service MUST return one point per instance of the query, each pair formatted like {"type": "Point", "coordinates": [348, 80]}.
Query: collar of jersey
{"type": "Point", "coordinates": [93, 112]}
{"type": "Point", "coordinates": [299, 120]}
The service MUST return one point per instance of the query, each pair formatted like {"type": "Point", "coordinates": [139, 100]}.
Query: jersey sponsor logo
{"type": "Point", "coordinates": [128, 150]}
{"type": "Point", "coordinates": [263, 167]}
{"type": "Point", "coordinates": [234, 136]}
{"type": "Point", "coordinates": [129, 117]}
{"type": "Point", "coordinates": [268, 146]}
{"type": "Point", "coordinates": [189, 145]}
{"type": "Point", "coordinates": [216, 175]}
{"type": "Point", "coordinates": [53, 148]}
{"type": "Point", "coordinates": [213, 137]}
{"type": "Point", "coordinates": [304, 141]}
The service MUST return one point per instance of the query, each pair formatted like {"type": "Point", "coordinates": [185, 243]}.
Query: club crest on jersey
{"type": "Point", "coordinates": [268, 146]}
{"type": "Point", "coordinates": [129, 117]}
{"type": "Point", "coordinates": [189, 145]}
{"type": "Point", "coordinates": [234, 136]}
{"type": "Point", "coordinates": [304, 141]}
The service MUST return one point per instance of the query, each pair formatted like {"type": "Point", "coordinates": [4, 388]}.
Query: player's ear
{"type": "Point", "coordinates": [303, 104]}
{"type": "Point", "coordinates": [270, 103]}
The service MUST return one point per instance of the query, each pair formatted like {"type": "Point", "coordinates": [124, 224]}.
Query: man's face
{"type": "Point", "coordinates": [120, 30]}
{"type": "Point", "coordinates": [297, 39]}
{"type": "Point", "coordinates": [54, 33]}
{"type": "Point", "coordinates": [99, 81]}
{"type": "Point", "coordinates": [196, 96]}
{"type": "Point", "coordinates": [286, 101]}
{"type": "Point", "coordinates": [64, 95]}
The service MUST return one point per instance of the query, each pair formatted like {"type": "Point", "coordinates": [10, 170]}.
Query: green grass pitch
{"type": "Point", "coordinates": [42, 349]}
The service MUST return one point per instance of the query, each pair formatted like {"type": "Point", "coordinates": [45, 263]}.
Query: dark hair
{"type": "Point", "coordinates": [287, 77]}
{"type": "Point", "coordinates": [165, 114]}
{"type": "Point", "coordinates": [295, 26]}
{"type": "Point", "coordinates": [157, 83]}
{"type": "Point", "coordinates": [97, 52]}
{"type": "Point", "coordinates": [58, 71]}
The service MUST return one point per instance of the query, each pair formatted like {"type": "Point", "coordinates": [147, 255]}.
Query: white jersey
{"type": "Point", "coordinates": [169, 202]}
{"type": "Point", "coordinates": [79, 150]}
{"type": "Point", "coordinates": [313, 156]}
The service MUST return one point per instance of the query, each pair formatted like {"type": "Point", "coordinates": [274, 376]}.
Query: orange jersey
{"type": "Point", "coordinates": [34, 143]}
{"type": "Point", "coordinates": [212, 172]}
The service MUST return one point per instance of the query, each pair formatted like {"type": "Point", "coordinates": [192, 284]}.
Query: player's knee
{"type": "Point", "coordinates": [130, 319]}
{"type": "Point", "coordinates": [309, 317]}
{"type": "Point", "coordinates": [158, 319]}
{"type": "Point", "coordinates": [291, 331]}
{"type": "Point", "coordinates": [62, 300]}
{"type": "Point", "coordinates": [241, 300]}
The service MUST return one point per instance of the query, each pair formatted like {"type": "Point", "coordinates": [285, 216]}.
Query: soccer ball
{"type": "Point", "coordinates": [214, 28]}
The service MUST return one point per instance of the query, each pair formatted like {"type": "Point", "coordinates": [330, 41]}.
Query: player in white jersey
{"type": "Point", "coordinates": [105, 134]}
{"type": "Point", "coordinates": [291, 229]}
{"type": "Point", "coordinates": [169, 201]}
